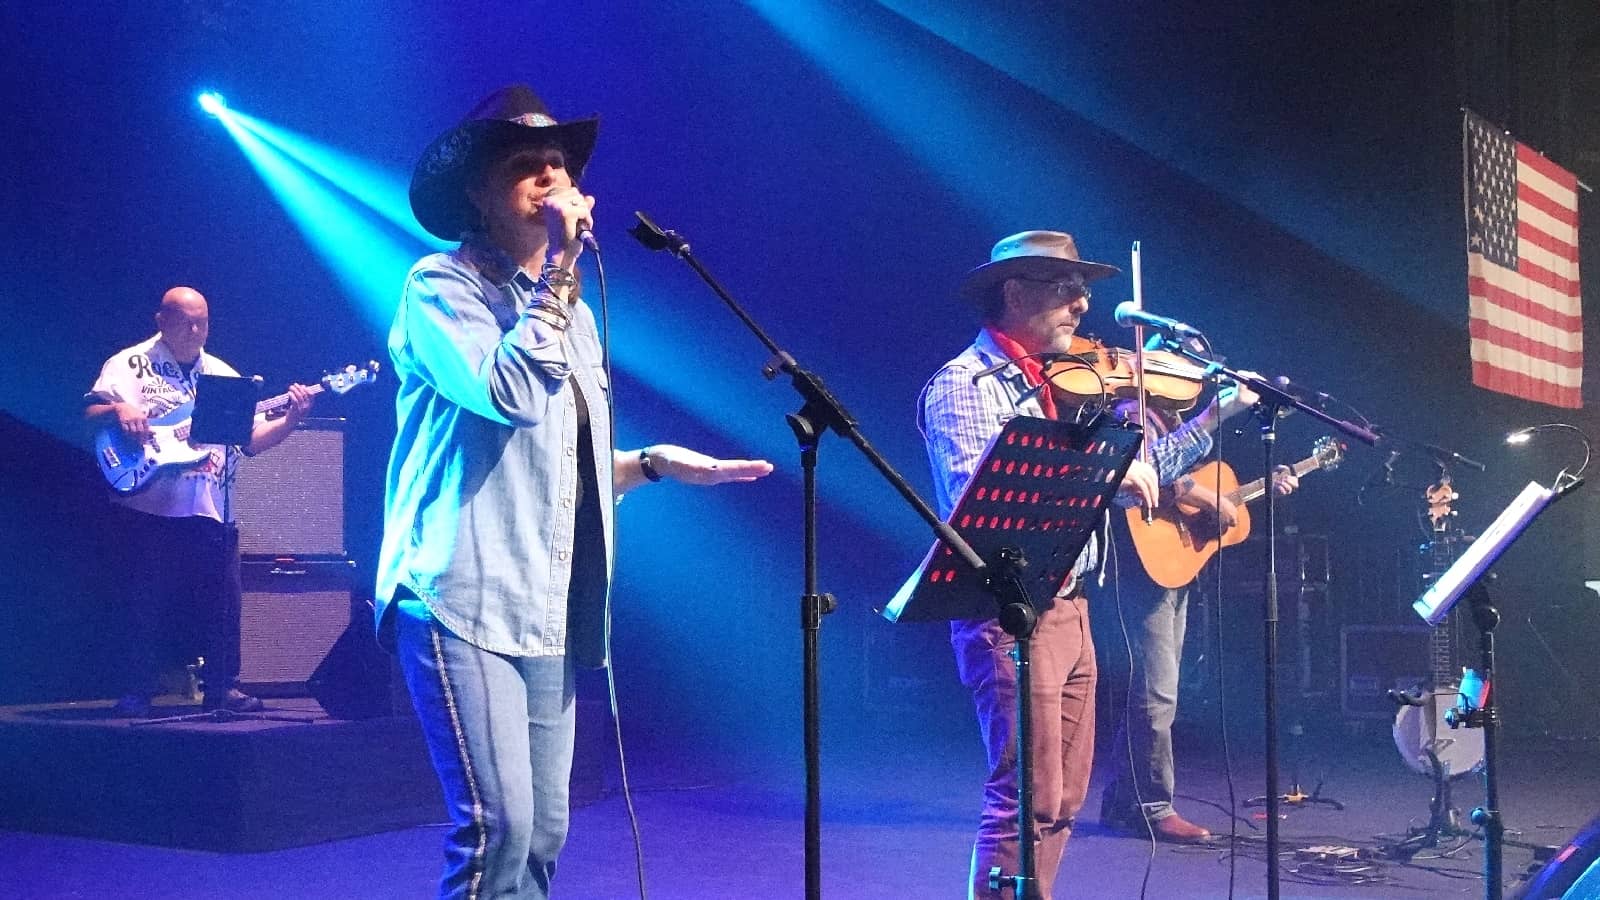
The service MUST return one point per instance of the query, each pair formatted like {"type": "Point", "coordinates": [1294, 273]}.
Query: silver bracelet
{"type": "Point", "coordinates": [557, 278]}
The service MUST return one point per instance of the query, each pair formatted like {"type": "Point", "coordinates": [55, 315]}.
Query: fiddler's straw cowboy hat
{"type": "Point", "coordinates": [1039, 255]}
{"type": "Point", "coordinates": [511, 118]}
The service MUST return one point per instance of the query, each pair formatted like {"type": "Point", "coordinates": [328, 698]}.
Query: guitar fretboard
{"type": "Point", "coordinates": [275, 403]}
{"type": "Point", "coordinates": [1254, 490]}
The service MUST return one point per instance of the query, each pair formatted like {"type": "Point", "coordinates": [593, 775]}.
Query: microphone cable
{"type": "Point", "coordinates": [1127, 647]}
{"type": "Point", "coordinates": [1222, 680]}
{"type": "Point", "coordinates": [611, 676]}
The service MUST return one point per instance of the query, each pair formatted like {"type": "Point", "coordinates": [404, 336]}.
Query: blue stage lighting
{"type": "Point", "coordinates": [213, 103]}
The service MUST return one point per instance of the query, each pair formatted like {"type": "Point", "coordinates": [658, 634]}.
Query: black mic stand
{"type": "Point", "coordinates": [820, 411]}
{"type": "Point", "coordinates": [1274, 400]}
{"type": "Point", "coordinates": [225, 415]}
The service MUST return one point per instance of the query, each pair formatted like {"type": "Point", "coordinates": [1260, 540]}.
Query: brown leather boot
{"type": "Point", "coordinates": [1175, 829]}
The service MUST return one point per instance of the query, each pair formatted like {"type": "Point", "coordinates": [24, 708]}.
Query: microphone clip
{"type": "Point", "coordinates": [654, 237]}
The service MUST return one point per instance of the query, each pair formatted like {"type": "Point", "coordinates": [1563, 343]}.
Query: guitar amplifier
{"type": "Point", "coordinates": [1374, 659]}
{"type": "Point", "coordinates": [292, 612]}
{"type": "Point", "coordinates": [289, 501]}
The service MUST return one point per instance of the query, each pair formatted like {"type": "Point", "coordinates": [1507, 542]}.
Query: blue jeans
{"type": "Point", "coordinates": [500, 733]}
{"type": "Point", "coordinates": [1142, 751]}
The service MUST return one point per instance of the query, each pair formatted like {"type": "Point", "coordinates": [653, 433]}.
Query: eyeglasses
{"type": "Point", "coordinates": [1068, 289]}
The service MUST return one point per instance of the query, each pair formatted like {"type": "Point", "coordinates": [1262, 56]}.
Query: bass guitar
{"type": "Point", "coordinates": [129, 464]}
{"type": "Point", "coordinates": [1180, 538]}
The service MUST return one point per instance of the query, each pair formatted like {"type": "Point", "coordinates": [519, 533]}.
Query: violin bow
{"type": "Point", "coordinates": [1138, 376]}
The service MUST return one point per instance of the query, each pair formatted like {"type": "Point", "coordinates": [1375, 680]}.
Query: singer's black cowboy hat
{"type": "Point", "coordinates": [511, 118]}
{"type": "Point", "coordinates": [1041, 255]}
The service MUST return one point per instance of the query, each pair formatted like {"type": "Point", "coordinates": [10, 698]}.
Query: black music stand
{"type": "Point", "coordinates": [1038, 494]}
{"type": "Point", "coordinates": [224, 413]}
{"type": "Point", "coordinates": [1466, 577]}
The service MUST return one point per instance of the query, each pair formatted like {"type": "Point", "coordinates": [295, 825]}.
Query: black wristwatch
{"type": "Point", "coordinates": [647, 467]}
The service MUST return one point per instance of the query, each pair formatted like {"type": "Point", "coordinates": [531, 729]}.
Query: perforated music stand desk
{"type": "Point", "coordinates": [1041, 488]}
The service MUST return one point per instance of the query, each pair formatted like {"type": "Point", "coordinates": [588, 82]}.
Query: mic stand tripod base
{"type": "Point", "coordinates": [223, 714]}
{"type": "Point", "coordinates": [1298, 797]}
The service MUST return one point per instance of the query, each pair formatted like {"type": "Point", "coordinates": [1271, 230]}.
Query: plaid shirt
{"type": "Point", "coordinates": [959, 411]}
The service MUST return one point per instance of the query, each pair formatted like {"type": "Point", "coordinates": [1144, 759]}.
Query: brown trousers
{"type": "Point", "coordinates": [1063, 683]}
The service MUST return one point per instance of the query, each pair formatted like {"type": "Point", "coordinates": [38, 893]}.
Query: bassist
{"type": "Point", "coordinates": [180, 564]}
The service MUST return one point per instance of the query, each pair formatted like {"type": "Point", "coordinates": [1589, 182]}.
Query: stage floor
{"type": "Point", "coordinates": [896, 823]}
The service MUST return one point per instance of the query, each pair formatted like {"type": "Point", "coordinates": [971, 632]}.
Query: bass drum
{"type": "Point", "coordinates": [1419, 729]}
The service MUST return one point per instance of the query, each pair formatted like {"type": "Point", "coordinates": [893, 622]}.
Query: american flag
{"type": "Point", "coordinates": [1526, 316]}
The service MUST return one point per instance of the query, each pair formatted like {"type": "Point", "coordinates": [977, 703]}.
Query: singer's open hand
{"type": "Point", "coordinates": [691, 467]}
{"type": "Point", "coordinates": [563, 208]}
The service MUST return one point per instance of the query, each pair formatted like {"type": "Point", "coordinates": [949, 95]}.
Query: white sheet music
{"type": "Point", "coordinates": [1435, 602]}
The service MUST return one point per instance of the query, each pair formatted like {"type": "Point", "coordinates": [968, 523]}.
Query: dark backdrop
{"type": "Point", "coordinates": [1294, 176]}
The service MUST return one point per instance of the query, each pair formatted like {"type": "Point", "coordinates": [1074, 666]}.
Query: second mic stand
{"type": "Point", "coordinates": [1273, 401]}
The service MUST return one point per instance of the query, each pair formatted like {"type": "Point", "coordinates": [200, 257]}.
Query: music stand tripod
{"type": "Point", "coordinates": [1040, 490]}
{"type": "Point", "coordinates": [1467, 577]}
{"type": "Point", "coordinates": [224, 413]}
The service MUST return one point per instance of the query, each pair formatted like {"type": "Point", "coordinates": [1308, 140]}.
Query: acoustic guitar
{"type": "Point", "coordinates": [1182, 537]}
{"type": "Point", "coordinates": [129, 465]}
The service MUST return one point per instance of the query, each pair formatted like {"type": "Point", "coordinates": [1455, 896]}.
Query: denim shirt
{"type": "Point", "coordinates": [484, 479]}
{"type": "Point", "coordinates": [960, 411]}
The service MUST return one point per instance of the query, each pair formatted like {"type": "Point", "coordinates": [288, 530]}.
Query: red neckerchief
{"type": "Point", "coordinates": [1032, 369]}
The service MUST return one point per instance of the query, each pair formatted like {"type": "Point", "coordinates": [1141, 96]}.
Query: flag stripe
{"type": "Point", "coordinates": [1516, 314]}
{"type": "Point", "coordinates": [1509, 360]}
{"type": "Point", "coordinates": [1520, 385]}
{"type": "Point", "coordinates": [1545, 225]}
{"type": "Point", "coordinates": [1485, 330]}
{"type": "Point", "coordinates": [1566, 215]}
{"type": "Point", "coordinates": [1562, 251]}
{"type": "Point", "coordinates": [1565, 306]}
{"type": "Point", "coordinates": [1538, 274]}
{"type": "Point", "coordinates": [1529, 157]}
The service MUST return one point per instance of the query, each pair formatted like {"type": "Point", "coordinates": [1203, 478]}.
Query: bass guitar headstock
{"type": "Point", "coordinates": [346, 379]}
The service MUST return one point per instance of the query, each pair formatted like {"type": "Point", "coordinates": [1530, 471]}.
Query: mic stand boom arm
{"type": "Point", "coordinates": [820, 411]}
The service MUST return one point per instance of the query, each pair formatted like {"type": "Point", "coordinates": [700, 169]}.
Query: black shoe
{"type": "Point", "coordinates": [234, 700]}
{"type": "Point", "coordinates": [131, 706]}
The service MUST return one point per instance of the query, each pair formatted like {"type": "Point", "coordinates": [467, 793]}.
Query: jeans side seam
{"type": "Point", "coordinates": [466, 764]}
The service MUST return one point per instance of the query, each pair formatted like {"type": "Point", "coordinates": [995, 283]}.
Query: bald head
{"type": "Point", "coordinates": [184, 320]}
{"type": "Point", "coordinates": [186, 300]}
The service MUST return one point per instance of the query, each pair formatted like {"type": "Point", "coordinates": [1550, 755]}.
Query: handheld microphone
{"type": "Point", "coordinates": [586, 234]}
{"type": "Point", "coordinates": [1128, 316]}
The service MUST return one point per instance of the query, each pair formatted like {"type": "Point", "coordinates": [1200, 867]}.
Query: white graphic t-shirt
{"type": "Point", "coordinates": [147, 374]}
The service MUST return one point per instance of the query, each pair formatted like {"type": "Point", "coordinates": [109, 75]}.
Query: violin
{"type": "Point", "coordinates": [1093, 371]}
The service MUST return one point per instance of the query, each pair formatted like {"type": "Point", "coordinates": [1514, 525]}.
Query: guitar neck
{"type": "Point", "coordinates": [1255, 490]}
{"type": "Point", "coordinates": [272, 404]}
